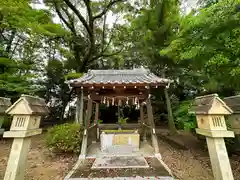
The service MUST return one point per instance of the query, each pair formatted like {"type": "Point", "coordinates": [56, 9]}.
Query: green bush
{"type": "Point", "coordinates": [65, 138]}
{"type": "Point", "coordinates": [182, 118]}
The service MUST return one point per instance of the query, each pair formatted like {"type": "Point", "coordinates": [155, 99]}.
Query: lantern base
{"type": "Point", "coordinates": [22, 134]}
{"type": "Point", "coordinates": [215, 133]}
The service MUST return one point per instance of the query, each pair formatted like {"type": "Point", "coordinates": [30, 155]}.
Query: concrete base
{"type": "Point", "coordinates": [219, 159]}
{"type": "Point", "coordinates": [17, 159]}
{"type": "Point", "coordinates": [145, 150]}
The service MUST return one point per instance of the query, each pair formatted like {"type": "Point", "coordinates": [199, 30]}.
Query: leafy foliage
{"type": "Point", "coordinates": [122, 120]}
{"type": "Point", "coordinates": [182, 118]}
{"type": "Point", "coordinates": [22, 33]}
{"type": "Point", "coordinates": [65, 138]}
{"type": "Point", "coordinates": [73, 76]}
{"type": "Point", "coordinates": [210, 48]}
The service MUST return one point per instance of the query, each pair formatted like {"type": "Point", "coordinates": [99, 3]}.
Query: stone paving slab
{"type": "Point", "coordinates": [123, 149]}
{"type": "Point", "coordinates": [120, 162]}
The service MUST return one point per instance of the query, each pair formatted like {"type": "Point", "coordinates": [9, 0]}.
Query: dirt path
{"type": "Point", "coordinates": [42, 165]}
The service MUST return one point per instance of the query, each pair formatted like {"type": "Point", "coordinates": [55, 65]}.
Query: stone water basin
{"type": "Point", "coordinates": [119, 140]}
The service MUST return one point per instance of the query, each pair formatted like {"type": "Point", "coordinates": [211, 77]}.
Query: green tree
{"type": "Point", "coordinates": [210, 49]}
{"type": "Point", "coordinates": [21, 32]}
{"type": "Point", "coordinates": [152, 27]}
{"type": "Point", "coordinates": [90, 35]}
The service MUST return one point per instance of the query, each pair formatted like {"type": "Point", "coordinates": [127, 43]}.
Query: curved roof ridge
{"type": "Point", "coordinates": [120, 76]}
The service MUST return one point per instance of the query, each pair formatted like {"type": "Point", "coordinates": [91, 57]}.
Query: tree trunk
{"type": "Point", "coordinates": [171, 124]}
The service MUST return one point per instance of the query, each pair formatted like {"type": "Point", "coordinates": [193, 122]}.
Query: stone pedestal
{"type": "Point", "coordinates": [219, 159]}
{"type": "Point", "coordinates": [17, 159]}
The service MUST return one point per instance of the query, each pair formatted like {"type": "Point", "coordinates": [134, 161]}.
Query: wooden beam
{"type": "Point", "coordinates": [96, 113]}
{"type": "Point", "coordinates": [152, 124]}
{"type": "Point", "coordinates": [117, 85]}
{"type": "Point", "coordinates": [96, 97]}
{"type": "Point", "coordinates": [85, 133]}
{"type": "Point", "coordinates": [96, 120]}
{"type": "Point", "coordinates": [144, 132]}
{"type": "Point", "coordinates": [89, 112]}
{"type": "Point", "coordinates": [78, 109]}
{"type": "Point", "coordinates": [171, 124]}
{"type": "Point", "coordinates": [81, 109]}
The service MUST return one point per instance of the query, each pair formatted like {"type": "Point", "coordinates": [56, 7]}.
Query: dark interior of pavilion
{"type": "Point", "coordinates": [109, 115]}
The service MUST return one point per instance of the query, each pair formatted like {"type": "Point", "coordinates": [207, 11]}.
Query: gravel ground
{"type": "Point", "coordinates": [42, 165]}
{"type": "Point", "coordinates": [193, 163]}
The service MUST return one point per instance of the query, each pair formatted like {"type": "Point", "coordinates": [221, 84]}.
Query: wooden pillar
{"type": "Point", "coordinates": [171, 124]}
{"type": "Point", "coordinates": [96, 120]}
{"type": "Point", "coordinates": [79, 109]}
{"type": "Point", "coordinates": [152, 125]}
{"type": "Point", "coordinates": [144, 132]}
{"type": "Point", "coordinates": [86, 127]}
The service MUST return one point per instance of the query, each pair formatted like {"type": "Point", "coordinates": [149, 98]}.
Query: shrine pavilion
{"type": "Point", "coordinates": [117, 88]}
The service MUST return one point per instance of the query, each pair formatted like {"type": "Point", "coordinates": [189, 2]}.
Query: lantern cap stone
{"type": "Point", "coordinates": [210, 104]}
{"type": "Point", "coordinates": [5, 103]}
{"type": "Point", "coordinates": [30, 105]}
{"type": "Point", "coordinates": [234, 103]}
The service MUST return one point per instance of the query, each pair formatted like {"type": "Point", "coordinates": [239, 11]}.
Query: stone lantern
{"type": "Point", "coordinates": [210, 111]}
{"type": "Point", "coordinates": [27, 112]}
{"type": "Point", "coordinates": [4, 104]}
{"type": "Point", "coordinates": [234, 119]}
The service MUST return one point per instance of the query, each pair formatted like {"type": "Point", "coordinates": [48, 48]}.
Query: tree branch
{"type": "Point", "coordinates": [89, 10]}
{"type": "Point", "coordinates": [111, 37]}
{"type": "Point", "coordinates": [103, 33]}
{"type": "Point", "coordinates": [64, 20]}
{"type": "Point", "coordinates": [111, 4]}
{"type": "Point", "coordinates": [71, 21]}
{"type": "Point", "coordinates": [79, 15]}
{"type": "Point", "coordinates": [105, 55]}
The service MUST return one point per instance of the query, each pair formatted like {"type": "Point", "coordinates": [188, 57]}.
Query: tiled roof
{"type": "Point", "coordinates": [36, 105]}
{"type": "Point", "coordinates": [131, 76]}
{"type": "Point", "coordinates": [233, 102]}
{"type": "Point", "coordinates": [203, 104]}
{"type": "Point", "coordinates": [4, 104]}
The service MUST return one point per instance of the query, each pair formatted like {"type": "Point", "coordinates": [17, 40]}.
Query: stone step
{"type": "Point", "coordinates": [120, 162]}
{"type": "Point", "coordinates": [120, 149]}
